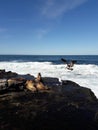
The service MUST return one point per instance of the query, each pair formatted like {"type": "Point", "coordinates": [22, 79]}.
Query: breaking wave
{"type": "Point", "coordinates": [84, 74]}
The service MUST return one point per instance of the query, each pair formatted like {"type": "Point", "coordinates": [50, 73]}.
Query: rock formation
{"type": "Point", "coordinates": [65, 105]}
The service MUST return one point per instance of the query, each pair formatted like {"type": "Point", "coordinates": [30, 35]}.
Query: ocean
{"type": "Point", "coordinates": [84, 73]}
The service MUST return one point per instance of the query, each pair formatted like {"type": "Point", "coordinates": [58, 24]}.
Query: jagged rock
{"type": "Point", "coordinates": [50, 82]}
{"type": "Point", "coordinates": [2, 71]}
{"type": "Point", "coordinates": [9, 74]}
{"type": "Point", "coordinates": [27, 77]}
{"type": "Point", "coordinates": [65, 106]}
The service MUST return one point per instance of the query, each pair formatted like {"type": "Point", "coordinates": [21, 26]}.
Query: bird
{"type": "Point", "coordinates": [60, 81]}
{"type": "Point", "coordinates": [69, 64]}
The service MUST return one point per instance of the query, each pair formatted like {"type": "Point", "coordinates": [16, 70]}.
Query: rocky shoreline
{"type": "Point", "coordinates": [64, 105]}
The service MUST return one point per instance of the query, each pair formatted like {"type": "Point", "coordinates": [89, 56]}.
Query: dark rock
{"type": "Point", "coordinates": [65, 106]}
{"type": "Point", "coordinates": [13, 81]}
{"type": "Point", "coordinates": [9, 74]}
{"type": "Point", "coordinates": [50, 82]}
{"type": "Point", "coordinates": [27, 77]}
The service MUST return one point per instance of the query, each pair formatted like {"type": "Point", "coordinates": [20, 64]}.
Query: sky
{"type": "Point", "coordinates": [49, 27]}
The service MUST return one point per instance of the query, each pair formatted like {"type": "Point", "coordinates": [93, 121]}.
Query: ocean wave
{"type": "Point", "coordinates": [83, 74]}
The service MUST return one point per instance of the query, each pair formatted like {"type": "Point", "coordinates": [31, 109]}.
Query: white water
{"type": "Point", "coordinates": [84, 75]}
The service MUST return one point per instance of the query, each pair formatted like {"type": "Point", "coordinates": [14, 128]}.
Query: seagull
{"type": "Point", "coordinates": [60, 80]}
{"type": "Point", "coordinates": [69, 65]}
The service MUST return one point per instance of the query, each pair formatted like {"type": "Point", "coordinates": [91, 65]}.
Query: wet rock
{"type": "Point", "coordinates": [9, 74]}
{"type": "Point", "coordinates": [64, 106]}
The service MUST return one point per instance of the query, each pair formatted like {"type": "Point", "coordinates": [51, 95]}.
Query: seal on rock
{"type": "Point", "coordinates": [36, 84]}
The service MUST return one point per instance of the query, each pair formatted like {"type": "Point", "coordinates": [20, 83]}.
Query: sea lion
{"type": "Point", "coordinates": [15, 81]}
{"type": "Point", "coordinates": [38, 78]}
{"type": "Point", "coordinates": [39, 82]}
{"type": "Point", "coordinates": [40, 86]}
{"type": "Point", "coordinates": [11, 82]}
{"type": "Point", "coordinates": [30, 85]}
{"type": "Point", "coordinates": [36, 84]}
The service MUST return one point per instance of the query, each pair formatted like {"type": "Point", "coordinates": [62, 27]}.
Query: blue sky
{"type": "Point", "coordinates": [49, 27]}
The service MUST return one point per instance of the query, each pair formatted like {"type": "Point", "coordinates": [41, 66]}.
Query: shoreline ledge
{"type": "Point", "coordinates": [65, 105]}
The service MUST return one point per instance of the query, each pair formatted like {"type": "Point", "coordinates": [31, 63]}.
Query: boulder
{"type": "Point", "coordinates": [66, 105]}
{"type": "Point", "coordinates": [9, 74]}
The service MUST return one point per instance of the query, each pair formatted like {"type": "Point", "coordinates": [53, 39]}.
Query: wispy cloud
{"type": "Point", "coordinates": [51, 10]}
{"type": "Point", "coordinates": [56, 8]}
{"type": "Point", "coordinates": [41, 33]}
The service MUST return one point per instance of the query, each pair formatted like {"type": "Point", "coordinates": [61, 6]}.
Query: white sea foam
{"type": "Point", "coordinates": [84, 75]}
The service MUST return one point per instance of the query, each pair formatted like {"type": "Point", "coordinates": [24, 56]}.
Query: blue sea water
{"type": "Point", "coordinates": [85, 70]}
{"type": "Point", "coordinates": [55, 59]}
